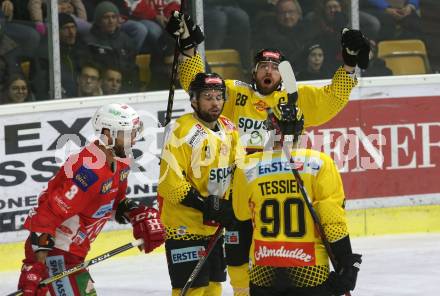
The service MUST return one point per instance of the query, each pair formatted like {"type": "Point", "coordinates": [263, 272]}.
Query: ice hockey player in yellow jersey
{"type": "Point", "coordinates": [288, 255]}
{"type": "Point", "coordinates": [196, 169]}
{"type": "Point", "coordinates": [246, 107]}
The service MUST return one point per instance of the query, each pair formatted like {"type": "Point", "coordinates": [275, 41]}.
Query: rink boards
{"type": "Point", "coordinates": [386, 143]}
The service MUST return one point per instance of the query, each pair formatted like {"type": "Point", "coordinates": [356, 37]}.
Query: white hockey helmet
{"type": "Point", "coordinates": [116, 118]}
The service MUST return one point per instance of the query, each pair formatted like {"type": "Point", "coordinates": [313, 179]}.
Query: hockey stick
{"type": "Point", "coordinates": [85, 264]}
{"type": "Point", "coordinates": [289, 80]}
{"type": "Point", "coordinates": [172, 87]}
{"type": "Point", "coordinates": [212, 242]}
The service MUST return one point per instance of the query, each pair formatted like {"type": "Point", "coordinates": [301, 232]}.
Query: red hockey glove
{"type": "Point", "coordinates": [31, 276]}
{"type": "Point", "coordinates": [147, 225]}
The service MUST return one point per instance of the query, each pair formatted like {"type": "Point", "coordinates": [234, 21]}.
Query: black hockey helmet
{"type": "Point", "coordinates": [206, 81]}
{"type": "Point", "coordinates": [269, 55]}
{"type": "Point", "coordinates": [287, 120]}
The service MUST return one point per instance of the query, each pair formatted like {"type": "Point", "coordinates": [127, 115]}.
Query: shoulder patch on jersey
{"type": "Point", "coordinates": [84, 178]}
{"type": "Point", "coordinates": [196, 135]}
{"type": "Point", "coordinates": [106, 186]}
{"type": "Point", "coordinates": [123, 175]}
{"type": "Point", "coordinates": [227, 123]}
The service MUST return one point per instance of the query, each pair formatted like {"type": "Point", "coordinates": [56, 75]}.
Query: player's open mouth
{"type": "Point", "coordinates": [267, 81]}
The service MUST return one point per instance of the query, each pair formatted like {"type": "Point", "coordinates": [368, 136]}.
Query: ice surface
{"type": "Point", "coordinates": [399, 265]}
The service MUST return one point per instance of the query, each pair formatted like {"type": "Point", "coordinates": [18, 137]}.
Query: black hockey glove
{"type": "Point", "coordinates": [355, 48]}
{"type": "Point", "coordinates": [181, 25]}
{"type": "Point", "coordinates": [218, 210]}
{"type": "Point", "coordinates": [345, 281]}
{"type": "Point", "coordinates": [215, 210]}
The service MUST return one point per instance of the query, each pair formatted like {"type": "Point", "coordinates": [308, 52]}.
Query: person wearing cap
{"type": "Point", "coordinates": [247, 106]}
{"type": "Point", "coordinates": [73, 51]}
{"type": "Point", "coordinates": [111, 46]}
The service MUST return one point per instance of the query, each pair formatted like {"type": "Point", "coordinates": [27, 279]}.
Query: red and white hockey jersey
{"type": "Point", "coordinates": [79, 200]}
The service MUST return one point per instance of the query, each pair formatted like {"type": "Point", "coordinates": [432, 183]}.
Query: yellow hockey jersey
{"type": "Point", "coordinates": [265, 190]}
{"type": "Point", "coordinates": [195, 156]}
{"type": "Point", "coordinates": [246, 108]}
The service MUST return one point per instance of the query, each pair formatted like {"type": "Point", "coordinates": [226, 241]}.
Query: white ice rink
{"type": "Point", "coordinates": [404, 265]}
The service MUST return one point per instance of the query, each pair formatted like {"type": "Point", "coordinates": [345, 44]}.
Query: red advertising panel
{"type": "Point", "coordinates": [385, 147]}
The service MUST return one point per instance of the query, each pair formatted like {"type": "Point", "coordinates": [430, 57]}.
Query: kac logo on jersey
{"type": "Point", "coordinates": [106, 186]}
{"type": "Point", "coordinates": [103, 210]}
{"type": "Point", "coordinates": [187, 254]}
{"type": "Point", "coordinates": [84, 178]}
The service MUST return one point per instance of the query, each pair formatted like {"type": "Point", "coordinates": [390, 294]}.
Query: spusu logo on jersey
{"type": "Point", "coordinates": [284, 254]}
{"type": "Point", "coordinates": [220, 174]}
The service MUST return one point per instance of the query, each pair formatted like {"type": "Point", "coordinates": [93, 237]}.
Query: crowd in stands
{"type": "Point", "coordinates": [100, 39]}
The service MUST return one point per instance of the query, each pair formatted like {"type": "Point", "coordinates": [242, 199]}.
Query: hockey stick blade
{"type": "Point", "coordinates": [212, 242]}
{"type": "Point", "coordinates": [85, 264]}
{"type": "Point", "coordinates": [288, 77]}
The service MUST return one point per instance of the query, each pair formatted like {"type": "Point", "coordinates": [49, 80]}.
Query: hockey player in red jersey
{"type": "Point", "coordinates": [85, 193]}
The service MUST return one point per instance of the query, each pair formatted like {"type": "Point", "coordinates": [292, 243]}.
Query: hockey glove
{"type": "Point", "coordinates": [147, 225]}
{"type": "Point", "coordinates": [218, 211]}
{"type": "Point", "coordinates": [355, 48]}
{"type": "Point", "coordinates": [345, 281]}
{"type": "Point", "coordinates": [31, 276]}
{"type": "Point", "coordinates": [215, 210]}
{"type": "Point", "coordinates": [181, 25]}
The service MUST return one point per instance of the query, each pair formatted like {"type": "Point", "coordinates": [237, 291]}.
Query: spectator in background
{"type": "Point", "coordinates": [73, 51]}
{"type": "Point", "coordinates": [37, 12]}
{"type": "Point", "coordinates": [111, 81]}
{"type": "Point", "coordinates": [154, 16]}
{"type": "Point", "coordinates": [228, 26]}
{"type": "Point", "coordinates": [10, 52]}
{"type": "Point", "coordinates": [17, 90]}
{"type": "Point", "coordinates": [326, 25]}
{"type": "Point", "coordinates": [377, 66]}
{"type": "Point", "coordinates": [313, 58]}
{"type": "Point", "coordinates": [285, 32]}
{"type": "Point", "coordinates": [398, 18]}
{"type": "Point", "coordinates": [259, 11]}
{"type": "Point", "coordinates": [89, 80]}
{"type": "Point", "coordinates": [3, 73]}
{"type": "Point", "coordinates": [17, 26]}
{"type": "Point", "coordinates": [132, 28]}
{"type": "Point", "coordinates": [431, 30]}
{"type": "Point", "coordinates": [109, 45]}
{"type": "Point", "coordinates": [77, 10]}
